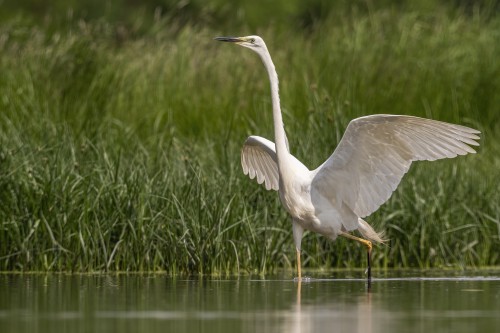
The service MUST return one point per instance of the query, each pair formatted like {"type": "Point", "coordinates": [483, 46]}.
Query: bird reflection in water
{"type": "Point", "coordinates": [350, 317]}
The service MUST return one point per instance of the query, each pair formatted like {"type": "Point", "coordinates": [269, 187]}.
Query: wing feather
{"type": "Point", "coordinates": [375, 153]}
{"type": "Point", "coordinates": [258, 159]}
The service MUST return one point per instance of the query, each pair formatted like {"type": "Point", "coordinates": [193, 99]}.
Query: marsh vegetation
{"type": "Point", "coordinates": [120, 132]}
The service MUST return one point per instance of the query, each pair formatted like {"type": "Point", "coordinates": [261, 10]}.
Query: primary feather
{"type": "Point", "coordinates": [258, 159]}
{"type": "Point", "coordinates": [376, 151]}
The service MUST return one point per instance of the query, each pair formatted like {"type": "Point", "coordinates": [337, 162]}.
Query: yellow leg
{"type": "Point", "coordinates": [363, 241]}
{"type": "Point", "coordinates": [298, 265]}
{"type": "Point", "coordinates": [366, 243]}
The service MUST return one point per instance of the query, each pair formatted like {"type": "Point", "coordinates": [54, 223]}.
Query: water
{"type": "Point", "coordinates": [339, 302]}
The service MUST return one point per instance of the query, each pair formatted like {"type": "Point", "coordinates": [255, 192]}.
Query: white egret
{"type": "Point", "coordinates": [361, 174]}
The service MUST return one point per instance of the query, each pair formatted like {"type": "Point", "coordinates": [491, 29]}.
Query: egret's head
{"type": "Point", "coordinates": [255, 43]}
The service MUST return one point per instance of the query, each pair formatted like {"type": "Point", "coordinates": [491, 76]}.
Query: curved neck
{"type": "Point", "coordinates": [279, 130]}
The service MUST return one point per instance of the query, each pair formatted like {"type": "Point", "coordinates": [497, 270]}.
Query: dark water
{"type": "Point", "coordinates": [396, 302]}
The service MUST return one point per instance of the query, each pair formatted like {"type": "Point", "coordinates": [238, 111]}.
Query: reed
{"type": "Point", "coordinates": [119, 150]}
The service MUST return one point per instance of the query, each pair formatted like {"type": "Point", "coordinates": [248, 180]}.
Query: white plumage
{"type": "Point", "coordinates": [361, 174]}
{"type": "Point", "coordinates": [258, 159]}
{"type": "Point", "coordinates": [376, 151]}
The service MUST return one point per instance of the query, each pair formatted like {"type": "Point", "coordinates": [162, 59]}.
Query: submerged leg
{"type": "Point", "coordinates": [366, 243]}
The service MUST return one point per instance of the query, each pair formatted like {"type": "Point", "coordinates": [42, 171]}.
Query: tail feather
{"type": "Point", "coordinates": [367, 231]}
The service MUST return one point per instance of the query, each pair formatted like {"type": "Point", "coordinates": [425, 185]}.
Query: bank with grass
{"type": "Point", "coordinates": [119, 140]}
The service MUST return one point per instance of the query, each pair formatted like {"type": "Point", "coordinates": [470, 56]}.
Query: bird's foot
{"type": "Point", "coordinates": [302, 279]}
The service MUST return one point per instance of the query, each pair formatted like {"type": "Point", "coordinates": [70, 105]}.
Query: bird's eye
{"type": "Point", "coordinates": [252, 40]}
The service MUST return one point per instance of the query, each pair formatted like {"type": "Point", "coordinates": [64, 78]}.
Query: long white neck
{"type": "Point", "coordinates": [279, 130]}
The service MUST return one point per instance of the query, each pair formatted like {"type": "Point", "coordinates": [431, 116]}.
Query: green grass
{"type": "Point", "coordinates": [119, 146]}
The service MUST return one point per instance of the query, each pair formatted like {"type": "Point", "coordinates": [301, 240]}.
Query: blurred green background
{"type": "Point", "coordinates": [121, 124]}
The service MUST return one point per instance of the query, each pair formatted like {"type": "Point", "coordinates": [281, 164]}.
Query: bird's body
{"type": "Point", "coordinates": [361, 174]}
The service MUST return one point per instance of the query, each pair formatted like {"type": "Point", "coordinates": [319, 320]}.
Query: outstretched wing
{"type": "Point", "coordinates": [258, 159]}
{"type": "Point", "coordinates": [375, 153]}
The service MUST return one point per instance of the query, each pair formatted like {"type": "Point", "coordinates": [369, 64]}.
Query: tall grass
{"type": "Point", "coordinates": [119, 150]}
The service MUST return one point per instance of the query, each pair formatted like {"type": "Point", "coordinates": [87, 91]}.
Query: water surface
{"type": "Point", "coordinates": [338, 302]}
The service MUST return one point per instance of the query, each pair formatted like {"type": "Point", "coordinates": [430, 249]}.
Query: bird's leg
{"type": "Point", "coordinates": [297, 237]}
{"type": "Point", "coordinates": [298, 266]}
{"type": "Point", "coordinates": [369, 262]}
{"type": "Point", "coordinates": [366, 243]}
